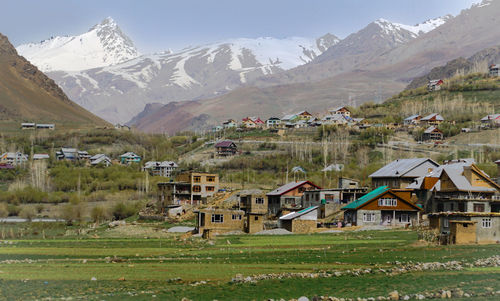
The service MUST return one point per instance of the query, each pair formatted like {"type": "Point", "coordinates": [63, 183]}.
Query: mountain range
{"type": "Point", "coordinates": [202, 85]}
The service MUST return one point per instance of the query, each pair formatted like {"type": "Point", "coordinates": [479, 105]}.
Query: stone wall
{"type": "Point", "coordinates": [303, 226]}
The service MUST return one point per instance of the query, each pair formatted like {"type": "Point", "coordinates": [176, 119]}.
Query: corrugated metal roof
{"type": "Point", "coordinates": [412, 117]}
{"type": "Point", "coordinates": [490, 117]}
{"type": "Point", "coordinates": [400, 167]}
{"type": "Point", "coordinates": [431, 129]}
{"type": "Point", "coordinates": [436, 116]}
{"type": "Point", "coordinates": [293, 215]}
{"type": "Point", "coordinates": [367, 197]}
{"type": "Point", "coordinates": [225, 143]}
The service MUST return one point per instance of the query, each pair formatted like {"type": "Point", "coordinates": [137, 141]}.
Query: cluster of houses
{"type": "Point", "coordinates": [456, 199]}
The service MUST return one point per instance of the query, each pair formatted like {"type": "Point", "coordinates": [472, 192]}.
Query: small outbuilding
{"type": "Point", "coordinates": [303, 221]}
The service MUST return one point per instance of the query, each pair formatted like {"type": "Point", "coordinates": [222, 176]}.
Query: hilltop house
{"type": "Point", "coordinates": [303, 221]}
{"type": "Point", "coordinates": [383, 206]}
{"type": "Point", "coordinates": [401, 172]}
{"type": "Point", "coordinates": [492, 120]}
{"type": "Point", "coordinates": [273, 122]}
{"type": "Point", "coordinates": [162, 169]}
{"type": "Point", "coordinates": [435, 85]}
{"type": "Point", "coordinates": [28, 126]}
{"type": "Point", "coordinates": [37, 157]}
{"type": "Point", "coordinates": [225, 148]}
{"type": "Point", "coordinates": [100, 160]}
{"type": "Point", "coordinates": [432, 133]}
{"type": "Point", "coordinates": [432, 119]}
{"type": "Point", "coordinates": [129, 158]}
{"type": "Point", "coordinates": [288, 196]}
{"type": "Point", "coordinates": [66, 153]}
{"type": "Point", "coordinates": [231, 123]}
{"type": "Point", "coordinates": [45, 126]}
{"type": "Point", "coordinates": [188, 188]}
{"type": "Point", "coordinates": [304, 115]}
{"type": "Point", "coordinates": [253, 122]}
{"type": "Point", "coordinates": [412, 120]}
{"type": "Point", "coordinates": [340, 111]}
{"type": "Point", "coordinates": [337, 119]}
{"type": "Point", "coordinates": [494, 70]}
{"type": "Point", "coordinates": [463, 202]}
{"type": "Point", "coordinates": [291, 118]}
{"type": "Point", "coordinates": [13, 159]}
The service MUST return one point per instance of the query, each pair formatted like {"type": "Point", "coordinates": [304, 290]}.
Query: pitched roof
{"type": "Point", "coordinates": [400, 167]}
{"type": "Point", "coordinates": [293, 215]}
{"type": "Point", "coordinates": [456, 174]}
{"type": "Point", "coordinates": [289, 117]}
{"type": "Point", "coordinates": [338, 109]}
{"type": "Point", "coordinates": [412, 117]}
{"type": "Point", "coordinates": [490, 117]}
{"type": "Point", "coordinates": [130, 154]}
{"type": "Point", "coordinates": [151, 164]}
{"type": "Point", "coordinates": [367, 197]}
{"type": "Point", "coordinates": [431, 129]}
{"type": "Point", "coordinates": [290, 186]}
{"type": "Point", "coordinates": [435, 116]}
{"type": "Point", "coordinates": [225, 143]}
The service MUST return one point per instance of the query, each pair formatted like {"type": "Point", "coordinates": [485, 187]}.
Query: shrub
{"type": "Point", "coordinates": [4, 211]}
{"type": "Point", "coordinates": [27, 213]}
{"type": "Point", "coordinates": [122, 210]}
{"type": "Point", "coordinates": [13, 210]}
{"type": "Point", "coordinates": [98, 214]}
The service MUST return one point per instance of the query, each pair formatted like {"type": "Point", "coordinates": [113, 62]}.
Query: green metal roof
{"type": "Point", "coordinates": [367, 197]}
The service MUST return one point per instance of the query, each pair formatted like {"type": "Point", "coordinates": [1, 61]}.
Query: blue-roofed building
{"type": "Point", "coordinates": [383, 206]}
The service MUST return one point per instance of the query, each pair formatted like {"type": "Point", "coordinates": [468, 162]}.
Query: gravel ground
{"type": "Point", "coordinates": [370, 228]}
{"type": "Point", "coordinates": [180, 229]}
{"type": "Point", "coordinates": [332, 231]}
{"type": "Point", "coordinates": [278, 231]}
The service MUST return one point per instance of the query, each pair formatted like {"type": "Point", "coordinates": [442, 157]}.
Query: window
{"type": "Point", "coordinates": [289, 201]}
{"type": "Point", "coordinates": [387, 202]}
{"type": "Point", "coordinates": [486, 223]}
{"type": "Point", "coordinates": [197, 179]}
{"type": "Point", "coordinates": [236, 217]}
{"type": "Point", "coordinates": [210, 179]}
{"type": "Point", "coordinates": [217, 218]}
{"type": "Point", "coordinates": [256, 218]}
{"type": "Point", "coordinates": [404, 218]}
{"type": "Point", "coordinates": [368, 217]}
{"type": "Point", "coordinates": [196, 188]}
{"type": "Point", "coordinates": [259, 200]}
{"type": "Point", "coordinates": [302, 189]}
{"type": "Point", "coordinates": [446, 223]}
{"type": "Point", "coordinates": [478, 207]}
{"type": "Point", "coordinates": [210, 188]}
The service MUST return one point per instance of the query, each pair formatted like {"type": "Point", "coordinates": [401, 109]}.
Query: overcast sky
{"type": "Point", "coordinates": [156, 25]}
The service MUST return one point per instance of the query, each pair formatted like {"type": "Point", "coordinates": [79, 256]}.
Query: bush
{"type": "Point", "coordinates": [71, 213]}
{"type": "Point", "coordinates": [28, 213]}
{"type": "Point", "coordinates": [4, 211]}
{"type": "Point", "coordinates": [122, 211]}
{"type": "Point", "coordinates": [13, 210]}
{"type": "Point", "coordinates": [98, 214]}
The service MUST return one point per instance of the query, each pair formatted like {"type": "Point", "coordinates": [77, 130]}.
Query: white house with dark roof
{"type": "Point", "coordinates": [401, 172]}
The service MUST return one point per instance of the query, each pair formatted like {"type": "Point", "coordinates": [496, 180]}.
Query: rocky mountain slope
{"type": "Point", "coordinates": [103, 45]}
{"type": "Point", "coordinates": [121, 91]}
{"type": "Point", "coordinates": [26, 94]}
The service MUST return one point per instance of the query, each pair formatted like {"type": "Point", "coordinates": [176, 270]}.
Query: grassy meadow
{"type": "Point", "coordinates": [172, 267]}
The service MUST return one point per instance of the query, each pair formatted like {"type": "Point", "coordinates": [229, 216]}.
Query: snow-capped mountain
{"type": "Point", "coordinates": [103, 45]}
{"type": "Point", "coordinates": [120, 91]}
{"type": "Point", "coordinates": [416, 30]}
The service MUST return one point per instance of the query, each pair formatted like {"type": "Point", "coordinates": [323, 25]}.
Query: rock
{"type": "Point", "coordinates": [458, 293]}
{"type": "Point", "coordinates": [394, 295]}
{"type": "Point", "coordinates": [303, 298]}
{"type": "Point", "coordinates": [117, 223]}
{"type": "Point", "coordinates": [93, 279]}
{"type": "Point", "coordinates": [420, 297]}
{"type": "Point", "coordinates": [466, 295]}
{"type": "Point", "coordinates": [121, 279]}
{"type": "Point", "coordinates": [406, 297]}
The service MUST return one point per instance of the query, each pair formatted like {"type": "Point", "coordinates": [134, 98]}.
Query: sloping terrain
{"type": "Point", "coordinates": [26, 94]}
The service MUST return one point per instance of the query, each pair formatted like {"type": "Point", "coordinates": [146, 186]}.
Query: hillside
{"type": "Point", "coordinates": [26, 94]}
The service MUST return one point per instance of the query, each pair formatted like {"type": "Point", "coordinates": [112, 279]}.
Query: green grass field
{"type": "Point", "coordinates": [167, 268]}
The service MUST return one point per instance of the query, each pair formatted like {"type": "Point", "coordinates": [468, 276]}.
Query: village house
{"type": "Point", "coordinates": [161, 169]}
{"type": "Point", "coordinates": [342, 110]}
{"type": "Point", "coordinates": [122, 127]}
{"type": "Point", "coordinates": [14, 158]}
{"type": "Point", "coordinates": [248, 124]}
{"type": "Point", "coordinates": [28, 126]}
{"type": "Point", "coordinates": [129, 158]}
{"type": "Point", "coordinates": [229, 124]}
{"type": "Point", "coordinates": [67, 153]}
{"type": "Point", "coordinates": [83, 155]}
{"type": "Point", "coordinates": [463, 202]}
{"type": "Point", "coordinates": [432, 119]}
{"type": "Point", "coordinates": [255, 207]}
{"type": "Point", "coordinates": [188, 188]}
{"type": "Point", "coordinates": [45, 126]}
{"type": "Point", "coordinates": [303, 221]}
{"type": "Point", "coordinates": [494, 70]}
{"type": "Point", "coordinates": [491, 121]}
{"type": "Point", "coordinates": [217, 129]}
{"type": "Point", "coordinates": [37, 157]}
{"type": "Point", "coordinates": [432, 133]}
{"type": "Point", "coordinates": [211, 221]}
{"type": "Point", "coordinates": [225, 148]}
{"type": "Point", "coordinates": [334, 119]}
{"type": "Point", "coordinates": [383, 206]}
{"type": "Point", "coordinates": [304, 115]}
{"type": "Point", "coordinates": [412, 120]}
{"type": "Point", "coordinates": [434, 85]}
{"type": "Point", "coordinates": [291, 118]}
{"type": "Point", "coordinates": [257, 122]}
{"type": "Point", "coordinates": [273, 122]}
{"type": "Point", "coordinates": [288, 196]}
{"type": "Point", "coordinates": [100, 160]}
{"type": "Point", "coordinates": [401, 172]}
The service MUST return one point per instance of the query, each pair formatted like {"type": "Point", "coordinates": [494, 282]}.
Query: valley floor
{"type": "Point", "coordinates": [173, 267]}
